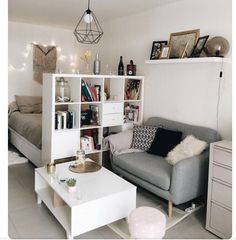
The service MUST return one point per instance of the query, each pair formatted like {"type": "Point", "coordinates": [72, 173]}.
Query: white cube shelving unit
{"type": "Point", "coordinates": [58, 144]}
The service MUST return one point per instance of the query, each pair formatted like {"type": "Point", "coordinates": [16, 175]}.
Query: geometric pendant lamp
{"type": "Point", "coordinates": [88, 30]}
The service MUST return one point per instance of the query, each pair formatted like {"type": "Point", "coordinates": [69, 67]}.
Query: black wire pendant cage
{"type": "Point", "coordinates": [88, 30]}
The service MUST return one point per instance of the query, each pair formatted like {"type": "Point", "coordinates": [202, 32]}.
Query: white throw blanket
{"type": "Point", "coordinates": [121, 142]}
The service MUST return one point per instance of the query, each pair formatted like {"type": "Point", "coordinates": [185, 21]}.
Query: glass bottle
{"type": "Point", "coordinates": [80, 157]}
{"type": "Point", "coordinates": [97, 65]}
{"type": "Point", "coordinates": [62, 91]}
{"type": "Point", "coordinates": [131, 69]}
{"type": "Point", "coordinates": [121, 66]}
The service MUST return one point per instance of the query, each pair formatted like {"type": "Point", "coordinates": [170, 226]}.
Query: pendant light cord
{"type": "Point", "coordinates": [89, 4]}
{"type": "Point", "coordinates": [219, 96]}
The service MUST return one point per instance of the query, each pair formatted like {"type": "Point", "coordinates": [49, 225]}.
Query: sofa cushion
{"type": "Point", "coordinates": [189, 147]}
{"type": "Point", "coordinates": [143, 137]}
{"type": "Point", "coordinates": [164, 141]}
{"type": "Point", "coordinates": [151, 168]}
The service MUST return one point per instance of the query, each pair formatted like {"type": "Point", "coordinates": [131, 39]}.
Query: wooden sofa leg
{"type": "Point", "coordinates": [170, 207]}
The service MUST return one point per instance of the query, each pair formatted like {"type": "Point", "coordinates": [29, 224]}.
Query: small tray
{"type": "Point", "coordinates": [89, 166]}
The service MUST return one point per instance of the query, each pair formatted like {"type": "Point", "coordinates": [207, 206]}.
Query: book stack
{"type": "Point", "coordinates": [89, 139]}
{"type": "Point", "coordinates": [64, 120]}
{"type": "Point", "coordinates": [90, 93]}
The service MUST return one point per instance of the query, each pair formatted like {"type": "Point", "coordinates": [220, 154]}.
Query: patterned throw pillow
{"type": "Point", "coordinates": [143, 137]}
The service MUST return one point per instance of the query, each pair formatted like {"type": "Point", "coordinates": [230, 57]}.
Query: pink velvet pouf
{"type": "Point", "coordinates": [147, 222]}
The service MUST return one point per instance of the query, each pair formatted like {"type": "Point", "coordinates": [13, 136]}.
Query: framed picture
{"type": "Point", "coordinates": [156, 49]}
{"type": "Point", "coordinates": [199, 46]}
{"type": "Point", "coordinates": [179, 40]}
{"type": "Point", "coordinates": [165, 52]}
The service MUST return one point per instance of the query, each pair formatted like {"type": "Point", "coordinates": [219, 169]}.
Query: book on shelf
{"type": "Point", "coordinates": [85, 91]}
{"type": "Point", "coordinates": [132, 89]}
{"type": "Point", "coordinates": [89, 92]}
{"type": "Point", "coordinates": [70, 119]}
{"type": "Point", "coordinates": [94, 93]}
{"type": "Point", "coordinates": [98, 92]}
{"type": "Point", "coordinates": [95, 137]}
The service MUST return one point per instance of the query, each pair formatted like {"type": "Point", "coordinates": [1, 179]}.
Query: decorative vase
{"type": "Point", "coordinates": [72, 189]}
{"type": "Point", "coordinates": [97, 65]}
{"type": "Point", "coordinates": [62, 90]}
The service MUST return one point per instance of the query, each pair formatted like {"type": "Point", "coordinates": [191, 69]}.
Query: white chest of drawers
{"type": "Point", "coordinates": [219, 200]}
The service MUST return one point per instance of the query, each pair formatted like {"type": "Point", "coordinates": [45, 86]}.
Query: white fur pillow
{"type": "Point", "coordinates": [190, 146]}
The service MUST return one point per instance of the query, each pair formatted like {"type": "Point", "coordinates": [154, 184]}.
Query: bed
{"type": "Point", "coordinates": [25, 127]}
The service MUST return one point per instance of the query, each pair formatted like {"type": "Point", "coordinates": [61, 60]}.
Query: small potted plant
{"type": "Point", "coordinates": [71, 183]}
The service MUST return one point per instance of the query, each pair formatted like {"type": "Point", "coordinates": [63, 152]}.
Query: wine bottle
{"type": "Point", "coordinates": [121, 67]}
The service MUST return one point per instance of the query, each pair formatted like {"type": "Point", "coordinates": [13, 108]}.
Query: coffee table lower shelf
{"type": "Point", "coordinates": [113, 199]}
{"type": "Point", "coordinates": [62, 213]}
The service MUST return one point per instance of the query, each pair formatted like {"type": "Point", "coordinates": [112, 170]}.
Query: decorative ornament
{"type": "Point", "coordinates": [217, 47]}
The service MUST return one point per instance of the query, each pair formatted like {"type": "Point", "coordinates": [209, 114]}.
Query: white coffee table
{"type": "Point", "coordinates": [101, 198]}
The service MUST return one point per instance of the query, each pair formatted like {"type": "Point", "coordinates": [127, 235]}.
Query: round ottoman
{"type": "Point", "coordinates": [147, 222]}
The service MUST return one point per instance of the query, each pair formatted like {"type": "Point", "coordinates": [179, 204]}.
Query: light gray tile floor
{"type": "Point", "coordinates": [29, 220]}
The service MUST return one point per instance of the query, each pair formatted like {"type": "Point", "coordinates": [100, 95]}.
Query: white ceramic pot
{"type": "Point", "coordinates": [71, 189]}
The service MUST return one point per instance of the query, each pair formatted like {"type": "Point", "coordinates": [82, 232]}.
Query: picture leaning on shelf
{"type": "Point", "coordinates": [132, 89]}
{"type": "Point", "coordinates": [89, 140]}
{"type": "Point", "coordinates": [131, 113]}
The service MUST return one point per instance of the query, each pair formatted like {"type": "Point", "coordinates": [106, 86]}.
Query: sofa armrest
{"type": "Point", "coordinates": [189, 178]}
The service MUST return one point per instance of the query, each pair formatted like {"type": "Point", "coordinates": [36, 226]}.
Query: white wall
{"type": "Point", "coordinates": [21, 35]}
{"type": "Point", "coordinates": [187, 92]}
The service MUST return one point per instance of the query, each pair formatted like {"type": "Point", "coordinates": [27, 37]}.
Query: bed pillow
{"type": "Point", "coordinates": [29, 104]}
{"type": "Point", "coordinates": [143, 137]}
{"type": "Point", "coordinates": [190, 146]}
{"type": "Point", "coordinates": [12, 107]}
{"type": "Point", "coordinates": [164, 141]}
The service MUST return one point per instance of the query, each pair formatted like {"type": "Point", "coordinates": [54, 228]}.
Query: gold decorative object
{"type": "Point", "coordinates": [51, 168]}
{"type": "Point", "coordinates": [88, 166]}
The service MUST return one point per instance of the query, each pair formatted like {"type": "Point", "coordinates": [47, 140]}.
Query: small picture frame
{"type": "Point", "coordinates": [165, 52]}
{"type": "Point", "coordinates": [197, 50]}
{"type": "Point", "coordinates": [156, 49]}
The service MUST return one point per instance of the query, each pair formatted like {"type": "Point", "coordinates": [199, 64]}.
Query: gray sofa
{"type": "Point", "coordinates": [177, 183]}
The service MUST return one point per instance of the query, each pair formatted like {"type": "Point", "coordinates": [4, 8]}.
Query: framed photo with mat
{"type": "Point", "coordinates": [156, 49]}
{"type": "Point", "coordinates": [179, 40]}
{"type": "Point", "coordinates": [165, 52]}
